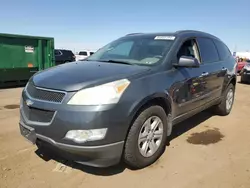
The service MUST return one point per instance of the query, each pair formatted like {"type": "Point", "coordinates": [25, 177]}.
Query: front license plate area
{"type": "Point", "coordinates": [28, 133]}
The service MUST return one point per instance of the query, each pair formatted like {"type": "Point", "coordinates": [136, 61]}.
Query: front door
{"type": "Point", "coordinates": [189, 91]}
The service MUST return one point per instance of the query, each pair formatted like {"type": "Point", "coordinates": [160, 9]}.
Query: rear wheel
{"type": "Point", "coordinates": [147, 138]}
{"type": "Point", "coordinates": [225, 107]}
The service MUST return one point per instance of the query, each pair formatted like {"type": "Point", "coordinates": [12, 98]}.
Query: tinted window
{"type": "Point", "coordinates": [223, 50]}
{"type": "Point", "coordinates": [143, 50]}
{"type": "Point", "coordinates": [189, 48]}
{"type": "Point", "coordinates": [208, 50]}
{"type": "Point", "coordinates": [83, 53]}
{"type": "Point", "coordinates": [91, 53]}
{"type": "Point", "coordinates": [69, 52]}
{"type": "Point", "coordinates": [57, 52]}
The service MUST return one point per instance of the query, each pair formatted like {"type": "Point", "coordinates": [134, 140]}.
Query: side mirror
{"type": "Point", "coordinates": [189, 62]}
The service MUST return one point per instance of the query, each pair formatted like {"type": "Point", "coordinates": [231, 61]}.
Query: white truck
{"type": "Point", "coordinates": [242, 54]}
{"type": "Point", "coordinates": [84, 54]}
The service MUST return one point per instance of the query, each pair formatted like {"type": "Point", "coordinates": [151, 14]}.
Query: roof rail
{"type": "Point", "coordinates": [133, 34]}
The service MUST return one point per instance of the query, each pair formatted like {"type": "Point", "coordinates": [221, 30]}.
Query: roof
{"type": "Point", "coordinates": [63, 49]}
{"type": "Point", "coordinates": [180, 33]}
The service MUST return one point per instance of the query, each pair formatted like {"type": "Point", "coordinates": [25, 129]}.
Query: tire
{"type": "Point", "coordinates": [133, 156]}
{"type": "Point", "coordinates": [222, 108]}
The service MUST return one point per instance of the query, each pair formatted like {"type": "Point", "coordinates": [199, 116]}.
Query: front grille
{"type": "Point", "coordinates": [37, 115]}
{"type": "Point", "coordinates": [45, 95]}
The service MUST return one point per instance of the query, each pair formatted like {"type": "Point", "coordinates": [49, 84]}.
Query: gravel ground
{"type": "Point", "coordinates": [205, 151]}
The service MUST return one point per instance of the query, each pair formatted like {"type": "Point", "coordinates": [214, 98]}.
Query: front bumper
{"type": "Point", "coordinates": [48, 123]}
{"type": "Point", "coordinates": [97, 156]}
{"type": "Point", "coordinates": [55, 120]}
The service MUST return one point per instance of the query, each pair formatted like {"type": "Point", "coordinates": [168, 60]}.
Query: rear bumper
{"type": "Point", "coordinates": [245, 77]}
{"type": "Point", "coordinates": [97, 156]}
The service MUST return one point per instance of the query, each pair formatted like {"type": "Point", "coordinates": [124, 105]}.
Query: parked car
{"type": "Point", "coordinates": [122, 102]}
{"type": "Point", "coordinates": [64, 56]}
{"type": "Point", "coordinates": [245, 73]}
{"type": "Point", "coordinates": [83, 54]}
{"type": "Point", "coordinates": [240, 65]}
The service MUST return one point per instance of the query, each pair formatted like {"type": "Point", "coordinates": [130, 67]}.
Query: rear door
{"type": "Point", "coordinates": [212, 69]}
{"type": "Point", "coordinates": [228, 64]}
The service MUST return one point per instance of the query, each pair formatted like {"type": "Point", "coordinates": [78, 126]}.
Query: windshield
{"type": "Point", "coordinates": [134, 50]}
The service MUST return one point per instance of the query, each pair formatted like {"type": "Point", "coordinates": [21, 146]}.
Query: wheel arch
{"type": "Point", "coordinates": [161, 99]}
{"type": "Point", "coordinates": [231, 80]}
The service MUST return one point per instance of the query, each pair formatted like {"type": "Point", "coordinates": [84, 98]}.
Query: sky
{"type": "Point", "coordinates": [81, 24]}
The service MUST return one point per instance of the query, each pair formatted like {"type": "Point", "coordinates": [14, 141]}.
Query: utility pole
{"type": "Point", "coordinates": [235, 48]}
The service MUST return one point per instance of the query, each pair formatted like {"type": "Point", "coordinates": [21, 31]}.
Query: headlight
{"type": "Point", "coordinates": [109, 93]}
{"type": "Point", "coordinates": [80, 136]}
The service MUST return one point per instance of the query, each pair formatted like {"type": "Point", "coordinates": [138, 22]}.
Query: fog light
{"type": "Point", "coordinates": [81, 136]}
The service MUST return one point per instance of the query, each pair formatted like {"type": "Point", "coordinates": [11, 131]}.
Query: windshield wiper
{"type": "Point", "coordinates": [116, 61]}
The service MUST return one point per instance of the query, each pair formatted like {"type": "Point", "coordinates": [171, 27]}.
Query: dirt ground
{"type": "Point", "coordinates": [205, 151]}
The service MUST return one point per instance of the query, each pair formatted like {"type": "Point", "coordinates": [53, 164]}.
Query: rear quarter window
{"type": "Point", "coordinates": [57, 52]}
{"type": "Point", "coordinates": [223, 50]}
{"type": "Point", "coordinates": [208, 50]}
{"type": "Point", "coordinates": [68, 52]}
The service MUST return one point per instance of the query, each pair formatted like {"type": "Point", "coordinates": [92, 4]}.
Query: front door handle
{"type": "Point", "coordinates": [204, 74]}
{"type": "Point", "coordinates": [223, 68]}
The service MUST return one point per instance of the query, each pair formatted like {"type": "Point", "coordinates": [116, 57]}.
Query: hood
{"type": "Point", "coordinates": [77, 75]}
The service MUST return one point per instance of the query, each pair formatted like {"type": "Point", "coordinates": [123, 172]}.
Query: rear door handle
{"type": "Point", "coordinates": [204, 74]}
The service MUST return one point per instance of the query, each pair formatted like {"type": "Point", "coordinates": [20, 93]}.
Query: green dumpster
{"type": "Point", "coordinates": [22, 56]}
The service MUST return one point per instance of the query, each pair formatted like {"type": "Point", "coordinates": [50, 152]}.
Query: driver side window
{"type": "Point", "coordinates": [189, 48]}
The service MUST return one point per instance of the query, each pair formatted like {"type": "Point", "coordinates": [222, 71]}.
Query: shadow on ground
{"type": "Point", "coordinates": [243, 83]}
{"type": "Point", "coordinates": [48, 155]}
{"type": "Point", "coordinates": [12, 84]}
{"type": "Point", "coordinates": [178, 130]}
{"type": "Point", "coordinates": [190, 123]}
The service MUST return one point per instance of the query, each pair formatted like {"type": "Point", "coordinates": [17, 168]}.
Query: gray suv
{"type": "Point", "coordinates": [122, 102]}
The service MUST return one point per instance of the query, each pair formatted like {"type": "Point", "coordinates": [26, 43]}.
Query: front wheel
{"type": "Point", "coordinates": [225, 107]}
{"type": "Point", "coordinates": [146, 138]}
